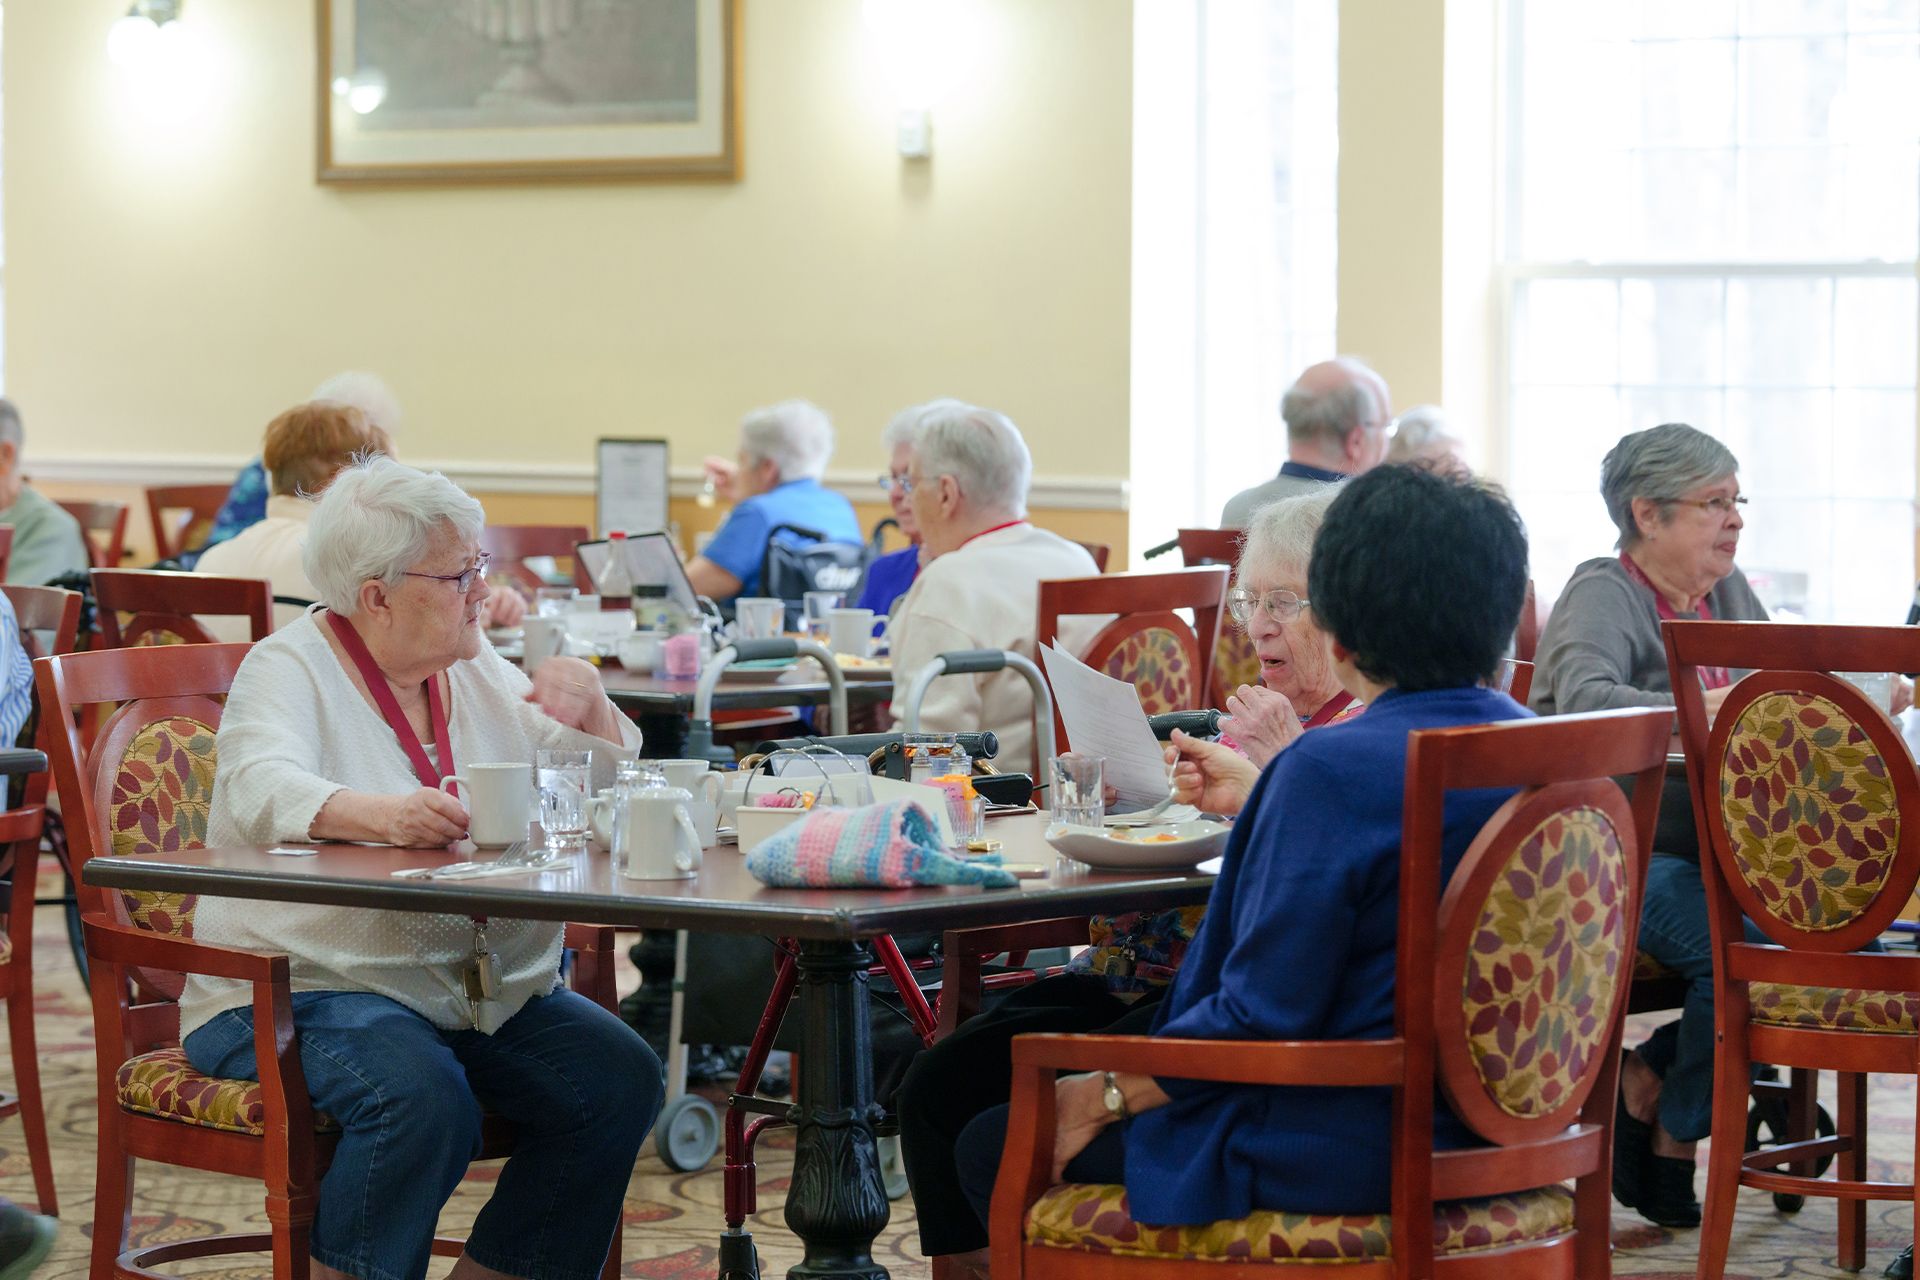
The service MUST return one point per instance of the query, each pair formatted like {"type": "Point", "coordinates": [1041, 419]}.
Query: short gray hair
{"type": "Point", "coordinates": [1661, 464]}
{"type": "Point", "coordinates": [366, 392]}
{"type": "Point", "coordinates": [1421, 428]}
{"type": "Point", "coordinates": [1280, 535]}
{"type": "Point", "coordinates": [983, 451]}
{"type": "Point", "coordinates": [1327, 416]}
{"type": "Point", "coordinates": [906, 423]}
{"type": "Point", "coordinates": [11, 432]}
{"type": "Point", "coordinates": [374, 523]}
{"type": "Point", "coordinates": [796, 436]}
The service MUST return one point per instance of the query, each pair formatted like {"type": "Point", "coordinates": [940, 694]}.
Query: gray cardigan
{"type": "Point", "coordinates": [1602, 645]}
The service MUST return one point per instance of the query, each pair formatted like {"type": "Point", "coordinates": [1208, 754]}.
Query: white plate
{"type": "Point", "coordinates": [1193, 843]}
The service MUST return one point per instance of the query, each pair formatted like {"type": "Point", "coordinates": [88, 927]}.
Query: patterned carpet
{"type": "Point", "coordinates": [673, 1219]}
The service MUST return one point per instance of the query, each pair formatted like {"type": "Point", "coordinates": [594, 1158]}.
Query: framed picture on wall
{"type": "Point", "coordinates": [476, 91]}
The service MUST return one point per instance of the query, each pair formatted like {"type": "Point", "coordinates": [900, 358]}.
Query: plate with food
{"type": "Point", "coordinates": [854, 667]}
{"type": "Point", "coordinates": [1169, 846]}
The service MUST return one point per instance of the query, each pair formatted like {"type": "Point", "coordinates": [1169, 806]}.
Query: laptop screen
{"type": "Point", "coordinates": [652, 560]}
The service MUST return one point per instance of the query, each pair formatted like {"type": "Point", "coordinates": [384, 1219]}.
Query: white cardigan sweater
{"type": "Point", "coordinates": [295, 730]}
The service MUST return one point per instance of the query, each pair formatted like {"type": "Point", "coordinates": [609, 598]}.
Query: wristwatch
{"type": "Point", "coordinates": [1111, 1097]}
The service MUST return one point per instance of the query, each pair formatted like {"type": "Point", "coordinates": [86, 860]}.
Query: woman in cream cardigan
{"type": "Point", "coordinates": [339, 727]}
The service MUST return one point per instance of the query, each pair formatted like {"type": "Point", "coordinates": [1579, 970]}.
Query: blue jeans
{"type": "Point", "coordinates": [580, 1087]}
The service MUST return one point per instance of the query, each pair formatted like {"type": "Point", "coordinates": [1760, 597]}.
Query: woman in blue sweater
{"type": "Point", "coordinates": [1417, 579]}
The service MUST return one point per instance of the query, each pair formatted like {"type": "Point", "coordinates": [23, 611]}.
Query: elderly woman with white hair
{"type": "Point", "coordinates": [340, 727]}
{"type": "Point", "coordinates": [967, 488]}
{"type": "Point", "coordinates": [776, 480]}
{"type": "Point", "coordinates": [889, 576]}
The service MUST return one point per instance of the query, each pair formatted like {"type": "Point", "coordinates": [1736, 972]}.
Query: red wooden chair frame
{"type": "Point", "coordinates": [104, 527]}
{"type": "Point", "coordinates": [164, 603]}
{"type": "Point", "coordinates": [137, 975]}
{"type": "Point", "coordinates": [200, 502]}
{"type": "Point", "coordinates": [1575, 756]}
{"type": "Point", "coordinates": [511, 544]}
{"type": "Point", "coordinates": [6, 547]}
{"type": "Point", "coordinates": [1796, 658]}
{"type": "Point", "coordinates": [1100, 552]}
{"type": "Point", "coordinates": [1516, 678]}
{"type": "Point", "coordinates": [1142, 601]}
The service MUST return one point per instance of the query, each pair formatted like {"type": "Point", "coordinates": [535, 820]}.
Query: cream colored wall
{"type": "Point", "coordinates": [171, 286]}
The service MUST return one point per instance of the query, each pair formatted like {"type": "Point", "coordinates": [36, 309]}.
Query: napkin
{"type": "Point", "coordinates": [890, 845]}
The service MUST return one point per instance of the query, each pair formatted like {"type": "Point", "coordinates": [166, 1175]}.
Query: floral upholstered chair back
{"type": "Point", "coordinates": [153, 772]}
{"type": "Point", "coordinates": [1156, 653]}
{"type": "Point", "coordinates": [1808, 832]}
{"type": "Point", "coordinates": [1534, 955]}
{"type": "Point", "coordinates": [147, 628]}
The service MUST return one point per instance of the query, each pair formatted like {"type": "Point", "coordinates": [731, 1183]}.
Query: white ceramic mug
{"type": "Point", "coordinates": [697, 777]}
{"type": "Point", "coordinates": [662, 843]}
{"type": "Point", "coordinates": [706, 822]}
{"type": "Point", "coordinates": [499, 801]}
{"type": "Point", "coordinates": [639, 651]}
{"type": "Point", "coordinates": [850, 631]}
{"type": "Point", "coordinates": [760, 617]}
{"type": "Point", "coordinates": [542, 638]}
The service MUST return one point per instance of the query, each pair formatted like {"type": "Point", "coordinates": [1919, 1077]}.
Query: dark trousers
{"type": "Point", "coordinates": [971, 1072]}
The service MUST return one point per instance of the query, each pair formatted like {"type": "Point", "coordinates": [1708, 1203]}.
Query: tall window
{"type": "Point", "coordinates": [1713, 217]}
{"type": "Point", "coordinates": [1235, 140]}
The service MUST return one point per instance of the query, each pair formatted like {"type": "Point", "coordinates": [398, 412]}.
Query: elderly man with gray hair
{"type": "Point", "coordinates": [1337, 414]}
{"type": "Point", "coordinates": [967, 485]}
{"type": "Point", "coordinates": [47, 542]}
{"type": "Point", "coordinates": [776, 480]}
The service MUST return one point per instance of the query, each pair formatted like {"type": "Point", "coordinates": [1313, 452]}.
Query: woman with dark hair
{"type": "Point", "coordinates": [1417, 580]}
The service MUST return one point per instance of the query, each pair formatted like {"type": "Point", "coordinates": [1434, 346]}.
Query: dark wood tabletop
{"type": "Point", "coordinates": [723, 898]}
{"type": "Point", "coordinates": [801, 685]}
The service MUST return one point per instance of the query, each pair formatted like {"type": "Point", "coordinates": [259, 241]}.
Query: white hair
{"type": "Point", "coordinates": [365, 392]}
{"type": "Point", "coordinates": [984, 453]}
{"type": "Point", "coordinates": [374, 522]}
{"type": "Point", "coordinates": [11, 432]}
{"type": "Point", "coordinates": [906, 423]}
{"type": "Point", "coordinates": [1421, 430]}
{"type": "Point", "coordinates": [796, 436]}
{"type": "Point", "coordinates": [1279, 536]}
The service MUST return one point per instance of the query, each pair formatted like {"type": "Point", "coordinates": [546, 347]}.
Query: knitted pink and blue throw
{"type": "Point", "coordinates": [891, 845]}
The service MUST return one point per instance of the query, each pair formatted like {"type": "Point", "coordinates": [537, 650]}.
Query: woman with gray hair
{"type": "Point", "coordinates": [776, 480]}
{"type": "Point", "coordinates": [1674, 494]}
{"type": "Point", "coordinates": [341, 727]}
{"type": "Point", "coordinates": [889, 576]}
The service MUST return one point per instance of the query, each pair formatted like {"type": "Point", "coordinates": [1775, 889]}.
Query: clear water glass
{"type": "Point", "coordinates": [1876, 685]}
{"type": "Point", "coordinates": [934, 755]}
{"type": "Point", "coordinates": [819, 604]}
{"type": "Point", "coordinates": [1078, 795]}
{"type": "Point", "coordinates": [552, 602]}
{"type": "Point", "coordinates": [563, 778]}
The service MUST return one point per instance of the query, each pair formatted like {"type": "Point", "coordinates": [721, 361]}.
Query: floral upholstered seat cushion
{"type": "Point", "coordinates": [1234, 661]}
{"type": "Point", "coordinates": [164, 1084]}
{"type": "Point", "coordinates": [1095, 1217]}
{"type": "Point", "coordinates": [1154, 661]}
{"type": "Point", "coordinates": [1834, 1008]}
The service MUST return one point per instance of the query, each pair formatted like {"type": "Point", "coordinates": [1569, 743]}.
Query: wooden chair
{"type": "Point", "coordinates": [1148, 644]}
{"type": "Point", "coordinates": [193, 508]}
{"type": "Point", "coordinates": [20, 831]}
{"type": "Point", "coordinates": [152, 1104]}
{"type": "Point", "coordinates": [49, 619]}
{"type": "Point", "coordinates": [1526, 638]}
{"type": "Point", "coordinates": [164, 606]}
{"type": "Point", "coordinates": [1467, 1018]}
{"type": "Point", "coordinates": [1234, 661]}
{"type": "Point", "coordinates": [1804, 795]}
{"type": "Point", "coordinates": [6, 547]}
{"type": "Point", "coordinates": [1516, 679]}
{"type": "Point", "coordinates": [510, 545]}
{"type": "Point", "coordinates": [104, 526]}
{"type": "Point", "coordinates": [1100, 552]}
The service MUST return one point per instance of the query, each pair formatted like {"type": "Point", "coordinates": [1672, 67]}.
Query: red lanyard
{"type": "Point", "coordinates": [390, 707]}
{"type": "Point", "coordinates": [1329, 711]}
{"type": "Point", "coordinates": [1710, 677]}
{"type": "Point", "coordinates": [997, 528]}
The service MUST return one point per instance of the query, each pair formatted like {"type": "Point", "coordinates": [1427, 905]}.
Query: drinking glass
{"type": "Point", "coordinates": [1876, 685]}
{"type": "Point", "coordinates": [934, 755]}
{"type": "Point", "coordinates": [818, 605]}
{"type": "Point", "coordinates": [563, 778]}
{"type": "Point", "coordinates": [551, 602]}
{"type": "Point", "coordinates": [1079, 791]}
{"type": "Point", "coordinates": [759, 617]}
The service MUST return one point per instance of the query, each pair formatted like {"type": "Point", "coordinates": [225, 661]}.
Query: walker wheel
{"type": "Point", "coordinates": [687, 1133]}
{"type": "Point", "coordinates": [893, 1167]}
{"type": "Point", "coordinates": [1767, 1126]}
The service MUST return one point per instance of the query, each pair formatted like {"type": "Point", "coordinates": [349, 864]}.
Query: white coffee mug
{"type": "Point", "coordinates": [759, 617]}
{"type": "Point", "coordinates": [499, 801]}
{"type": "Point", "coordinates": [696, 776]}
{"type": "Point", "coordinates": [850, 631]}
{"type": "Point", "coordinates": [706, 822]}
{"type": "Point", "coordinates": [542, 638]}
{"type": "Point", "coordinates": [662, 843]}
{"type": "Point", "coordinates": [639, 651]}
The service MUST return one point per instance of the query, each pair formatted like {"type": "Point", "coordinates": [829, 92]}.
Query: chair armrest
{"type": "Point", "coordinates": [1298, 1062]}
{"type": "Point", "coordinates": [1064, 931]}
{"type": "Point", "coordinates": [119, 944]}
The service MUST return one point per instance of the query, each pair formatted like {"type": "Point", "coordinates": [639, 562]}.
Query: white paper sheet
{"type": "Point", "coordinates": [1103, 717]}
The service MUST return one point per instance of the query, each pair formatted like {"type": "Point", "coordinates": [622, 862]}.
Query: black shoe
{"type": "Point", "coordinates": [1901, 1268]}
{"type": "Point", "coordinates": [1667, 1197]}
{"type": "Point", "coordinates": [1632, 1148]}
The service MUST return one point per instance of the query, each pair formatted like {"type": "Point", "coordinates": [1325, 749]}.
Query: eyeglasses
{"type": "Point", "coordinates": [889, 482]}
{"type": "Point", "coordinates": [906, 485]}
{"type": "Point", "coordinates": [462, 581]}
{"type": "Point", "coordinates": [1281, 605]}
{"type": "Point", "coordinates": [1718, 505]}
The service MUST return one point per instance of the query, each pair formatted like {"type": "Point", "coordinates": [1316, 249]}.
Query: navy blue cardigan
{"type": "Point", "coordinates": [1298, 944]}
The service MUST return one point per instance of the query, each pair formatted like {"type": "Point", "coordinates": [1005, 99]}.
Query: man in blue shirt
{"type": "Point", "coordinates": [783, 452]}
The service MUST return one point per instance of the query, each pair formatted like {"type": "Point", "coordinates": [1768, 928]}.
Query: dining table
{"type": "Point", "coordinates": [661, 705]}
{"type": "Point", "coordinates": [837, 1203]}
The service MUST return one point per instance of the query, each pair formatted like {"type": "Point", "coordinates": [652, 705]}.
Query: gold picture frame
{"type": "Point", "coordinates": [431, 92]}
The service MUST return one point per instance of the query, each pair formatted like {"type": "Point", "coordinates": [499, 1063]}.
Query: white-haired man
{"type": "Point", "coordinates": [1337, 414]}
{"type": "Point", "coordinates": [47, 542]}
{"type": "Point", "coordinates": [783, 453]}
{"type": "Point", "coordinates": [967, 483]}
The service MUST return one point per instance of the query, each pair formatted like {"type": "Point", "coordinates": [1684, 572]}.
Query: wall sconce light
{"type": "Point", "coordinates": [135, 38]}
{"type": "Point", "coordinates": [913, 48]}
